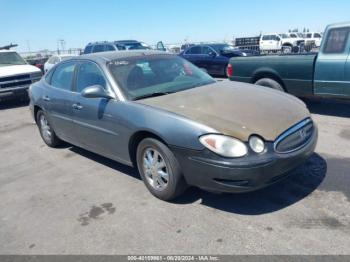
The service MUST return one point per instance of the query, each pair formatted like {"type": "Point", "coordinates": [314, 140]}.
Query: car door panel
{"type": "Point", "coordinates": [57, 100]}
{"type": "Point", "coordinates": [347, 77]}
{"type": "Point", "coordinates": [331, 75]}
{"type": "Point", "coordinates": [95, 119]}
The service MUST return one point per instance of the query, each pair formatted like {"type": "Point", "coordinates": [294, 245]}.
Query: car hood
{"type": "Point", "coordinates": [235, 109]}
{"type": "Point", "coordinates": [18, 69]}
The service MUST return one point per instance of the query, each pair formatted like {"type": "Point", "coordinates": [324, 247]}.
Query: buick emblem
{"type": "Point", "coordinates": [302, 134]}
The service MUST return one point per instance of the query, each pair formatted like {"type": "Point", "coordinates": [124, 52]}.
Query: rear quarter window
{"type": "Point", "coordinates": [62, 77]}
{"type": "Point", "coordinates": [98, 48]}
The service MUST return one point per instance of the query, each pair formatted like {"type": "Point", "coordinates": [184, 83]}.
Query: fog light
{"type": "Point", "coordinates": [256, 144]}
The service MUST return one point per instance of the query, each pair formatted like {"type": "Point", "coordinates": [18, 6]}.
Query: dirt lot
{"type": "Point", "coordinates": [70, 201]}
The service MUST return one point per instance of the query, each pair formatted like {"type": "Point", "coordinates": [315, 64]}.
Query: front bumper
{"type": "Point", "coordinates": [211, 172]}
{"type": "Point", "coordinates": [14, 92]}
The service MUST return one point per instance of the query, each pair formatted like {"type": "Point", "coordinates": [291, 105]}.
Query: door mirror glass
{"type": "Point", "coordinates": [212, 53]}
{"type": "Point", "coordinates": [95, 91]}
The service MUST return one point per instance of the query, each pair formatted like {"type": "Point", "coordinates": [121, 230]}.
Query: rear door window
{"type": "Point", "coordinates": [98, 48]}
{"type": "Point", "coordinates": [196, 50]}
{"type": "Point", "coordinates": [63, 76]}
{"type": "Point", "coordinates": [336, 41]}
{"type": "Point", "coordinates": [109, 48]}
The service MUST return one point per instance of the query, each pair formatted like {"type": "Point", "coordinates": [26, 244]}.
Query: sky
{"type": "Point", "coordinates": [38, 24]}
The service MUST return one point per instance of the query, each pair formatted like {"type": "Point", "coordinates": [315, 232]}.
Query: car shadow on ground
{"type": "Point", "coordinates": [302, 182]}
{"type": "Point", "coordinates": [127, 170]}
{"type": "Point", "coordinates": [13, 104]}
{"type": "Point", "coordinates": [330, 107]}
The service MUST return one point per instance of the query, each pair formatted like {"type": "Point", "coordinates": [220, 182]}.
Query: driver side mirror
{"type": "Point", "coordinates": [95, 91]}
{"type": "Point", "coordinates": [212, 54]}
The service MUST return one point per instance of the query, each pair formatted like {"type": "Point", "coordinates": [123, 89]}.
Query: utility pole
{"type": "Point", "coordinates": [62, 43]}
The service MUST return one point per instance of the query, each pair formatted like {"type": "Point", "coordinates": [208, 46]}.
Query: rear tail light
{"type": "Point", "coordinates": [229, 70]}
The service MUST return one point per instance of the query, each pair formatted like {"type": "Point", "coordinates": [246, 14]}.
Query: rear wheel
{"type": "Point", "coordinates": [268, 82]}
{"type": "Point", "coordinates": [287, 49]}
{"type": "Point", "coordinates": [46, 131]}
{"type": "Point", "coordinates": [159, 169]}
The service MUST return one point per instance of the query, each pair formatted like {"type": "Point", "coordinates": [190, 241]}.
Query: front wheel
{"type": "Point", "coordinates": [46, 131]}
{"type": "Point", "coordinates": [159, 169]}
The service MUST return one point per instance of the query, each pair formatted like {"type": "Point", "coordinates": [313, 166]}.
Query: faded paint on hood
{"type": "Point", "coordinates": [235, 109]}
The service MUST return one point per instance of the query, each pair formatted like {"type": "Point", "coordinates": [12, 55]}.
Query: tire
{"type": "Point", "coordinates": [165, 183]}
{"type": "Point", "coordinates": [268, 82]}
{"type": "Point", "coordinates": [287, 49]}
{"type": "Point", "coordinates": [47, 133]}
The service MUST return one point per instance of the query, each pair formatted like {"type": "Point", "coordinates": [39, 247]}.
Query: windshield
{"type": "Point", "coordinates": [11, 58]}
{"type": "Point", "coordinates": [146, 76]}
{"type": "Point", "coordinates": [283, 35]}
{"type": "Point", "coordinates": [132, 46]}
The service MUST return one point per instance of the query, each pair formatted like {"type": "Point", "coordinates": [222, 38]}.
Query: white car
{"type": "Point", "coordinates": [296, 36]}
{"type": "Point", "coordinates": [16, 75]}
{"type": "Point", "coordinates": [315, 37]}
{"type": "Point", "coordinates": [55, 59]}
{"type": "Point", "coordinates": [284, 42]}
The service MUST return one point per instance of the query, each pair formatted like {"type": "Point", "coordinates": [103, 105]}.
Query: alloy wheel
{"type": "Point", "coordinates": [155, 169]}
{"type": "Point", "coordinates": [45, 129]}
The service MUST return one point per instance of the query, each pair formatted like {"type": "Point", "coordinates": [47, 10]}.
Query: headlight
{"type": "Point", "coordinates": [256, 144]}
{"type": "Point", "coordinates": [224, 145]}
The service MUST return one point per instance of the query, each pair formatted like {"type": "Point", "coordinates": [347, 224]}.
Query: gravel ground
{"type": "Point", "coordinates": [70, 201]}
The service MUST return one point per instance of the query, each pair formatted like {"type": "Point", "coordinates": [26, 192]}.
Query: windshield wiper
{"type": "Point", "coordinates": [155, 94]}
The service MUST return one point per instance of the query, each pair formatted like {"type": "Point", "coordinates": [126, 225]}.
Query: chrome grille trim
{"type": "Point", "coordinates": [21, 80]}
{"type": "Point", "coordinates": [291, 131]}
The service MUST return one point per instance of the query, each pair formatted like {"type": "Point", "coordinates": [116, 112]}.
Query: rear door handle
{"type": "Point", "coordinates": [77, 106]}
{"type": "Point", "coordinates": [46, 98]}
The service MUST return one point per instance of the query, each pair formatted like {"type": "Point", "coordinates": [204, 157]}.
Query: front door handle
{"type": "Point", "coordinates": [77, 106]}
{"type": "Point", "coordinates": [46, 98]}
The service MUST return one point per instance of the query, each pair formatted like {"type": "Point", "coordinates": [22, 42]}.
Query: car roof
{"type": "Point", "coordinates": [66, 55]}
{"type": "Point", "coordinates": [113, 42]}
{"type": "Point", "coordinates": [126, 41]}
{"type": "Point", "coordinates": [113, 55]}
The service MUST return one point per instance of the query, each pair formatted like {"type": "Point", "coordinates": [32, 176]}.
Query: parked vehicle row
{"type": "Point", "coordinates": [177, 125]}
{"type": "Point", "coordinates": [286, 42]}
{"type": "Point", "coordinates": [324, 74]}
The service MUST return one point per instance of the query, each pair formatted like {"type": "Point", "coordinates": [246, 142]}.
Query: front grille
{"type": "Point", "coordinates": [295, 137]}
{"type": "Point", "coordinates": [18, 80]}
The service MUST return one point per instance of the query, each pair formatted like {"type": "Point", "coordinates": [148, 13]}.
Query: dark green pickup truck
{"type": "Point", "coordinates": [326, 73]}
